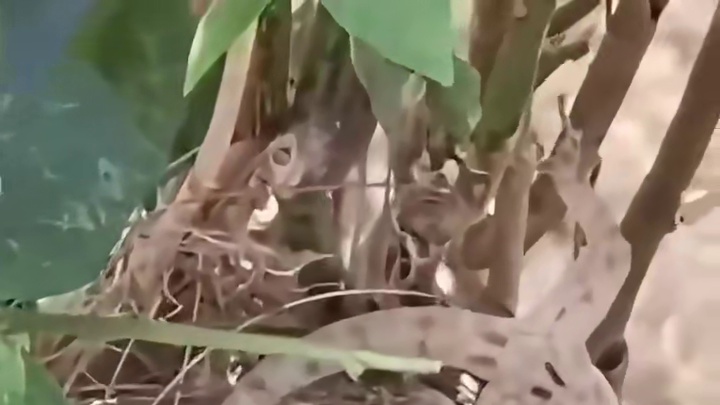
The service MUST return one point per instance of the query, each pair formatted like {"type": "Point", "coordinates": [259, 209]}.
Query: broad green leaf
{"type": "Point", "coordinates": [140, 48]}
{"type": "Point", "coordinates": [456, 108]}
{"type": "Point", "coordinates": [41, 386]}
{"type": "Point", "coordinates": [22, 380]}
{"type": "Point", "coordinates": [73, 166]}
{"type": "Point", "coordinates": [223, 23]}
{"type": "Point", "coordinates": [391, 87]}
{"type": "Point", "coordinates": [67, 303]}
{"type": "Point", "coordinates": [413, 33]}
{"type": "Point", "coordinates": [36, 35]}
{"type": "Point", "coordinates": [12, 373]}
{"type": "Point", "coordinates": [105, 329]}
{"type": "Point", "coordinates": [84, 139]}
{"type": "Point", "coordinates": [3, 58]}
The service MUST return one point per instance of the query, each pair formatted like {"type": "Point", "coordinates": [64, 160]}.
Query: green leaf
{"type": "Point", "coordinates": [41, 388]}
{"type": "Point", "coordinates": [416, 34]}
{"type": "Point", "coordinates": [140, 48]}
{"type": "Point", "coordinates": [223, 23]}
{"type": "Point", "coordinates": [384, 82]}
{"type": "Point", "coordinates": [456, 108]}
{"type": "Point", "coordinates": [83, 142]}
{"type": "Point", "coordinates": [23, 381]}
{"type": "Point", "coordinates": [12, 373]}
{"type": "Point", "coordinates": [73, 167]}
{"type": "Point", "coordinates": [3, 58]}
{"type": "Point", "coordinates": [105, 329]}
{"type": "Point", "coordinates": [69, 302]}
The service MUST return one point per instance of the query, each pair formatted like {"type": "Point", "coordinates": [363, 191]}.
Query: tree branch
{"type": "Point", "coordinates": [554, 57]}
{"type": "Point", "coordinates": [651, 213]}
{"type": "Point", "coordinates": [504, 98]}
{"type": "Point", "coordinates": [490, 21]}
{"type": "Point", "coordinates": [569, 14]}
{"type": "Point", "coordinates": [630, 31]}
{"type": "Point", "coordinates": [510, 85]}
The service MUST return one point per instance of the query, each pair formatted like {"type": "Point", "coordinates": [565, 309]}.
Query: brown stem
{"type": "Point", "coordinates": [225, 115]}
{"type": "Point", "coordinates": [199, 7]}
{"type": "Point", "coordinates": [490, 21]}
{"type": "Point", "coordinates": [214, 167]}
{"type": "Point", "coordinates": [250, 102]}
{"type": "Point", "coordinates": [569, 14]}
{"type": "Point", "coordinates": [651, 213]}
{"type": "Point", "coordinates": [551, 59]}
{"type": "Point", "coordinates": [264, 102]}
{"type": "Point", "coordinates": [510, 85]}
{"type": "Point", "coordinates": [510, 218]}
{"type": "Point", "coordinates": [630, 30]}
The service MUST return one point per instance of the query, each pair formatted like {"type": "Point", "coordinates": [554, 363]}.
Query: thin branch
{"type": "Point", "coordinates": [651, 213]}
{"type": "Point", "coordinates": [632, 28]}
{"type": "Point", "coordinates": [199, 7]}
{"type": "Point", "coordinates": [569, 14]}
{"type": "Point", "coordinates": [579, 237]}
{"type": "Point", "coordinates": [553, 58]}
{"type": "Point", "coordinates": [273, 47]}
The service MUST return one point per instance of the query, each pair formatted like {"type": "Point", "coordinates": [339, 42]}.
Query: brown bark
{"type": "Point", "coordinates": [651, 213]}
{"type": "Point", "coordinates": [569, 14]}
{"type": "Point", "coordinates": [630, 31]}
